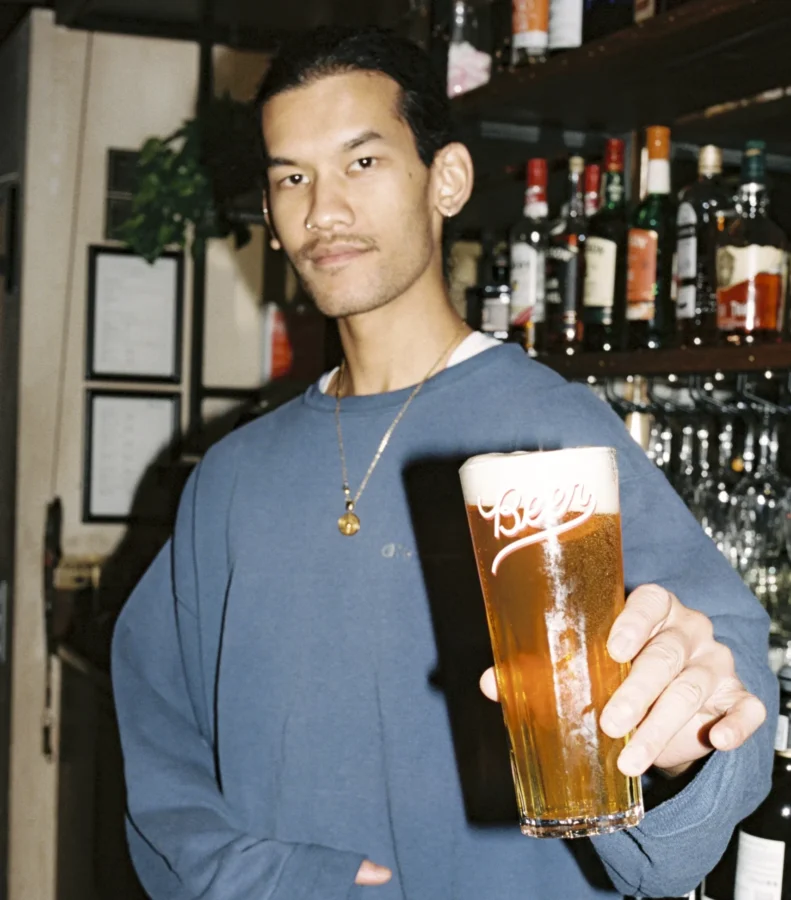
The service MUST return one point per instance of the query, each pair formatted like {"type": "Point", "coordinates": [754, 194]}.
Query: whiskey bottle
{"type": "Point", "coordinates": [528, 240]}
{"type": "Point", "coordinates": [565, 268]}
{"type": "Point", "coordinates": [752, 259]}
{"type": "Point", "coordinates": [565, 24]}
{"type": "Point", "coordinates": [605, 260]}
{"type": "Point", "coordinates": [650, 314]}
{"type": "Point", "coordinates": [703, 212]}
{"type": "Point", "coordinates": [530, 31]}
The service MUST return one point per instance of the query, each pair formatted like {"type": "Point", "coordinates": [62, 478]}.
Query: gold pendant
{"type": "Point", "coordinates": [349, 524]}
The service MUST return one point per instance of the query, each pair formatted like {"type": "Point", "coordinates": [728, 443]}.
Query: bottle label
{"type": "Point", "coordinates": [759, 868]}
{"type": "Point", "coordinates": [781, 734]}
{"type": "Point", "coordinates": [530, 24]}
{"type": "Point", "coordinates": [527, 284]}
{"type": "Point", "coordinates": [495, 315]}
{"type": "Point", "coordinates": [687, 247]}
{"type": "Point", "coordinates": [685, 305]}
{"type": "Point", "coordinates": [565, 24]}
{"type": "Point", "coordinates": [562, 286]}
{"type": "Point", "coordinates": [750, 284]}
{"type": "Point", "coordinates": [600, 259]}
{"type": "Point", "coordinates": [641, 275]}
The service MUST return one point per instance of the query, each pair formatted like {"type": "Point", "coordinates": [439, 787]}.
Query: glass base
{"type": "Point", "coordinates": [584, 826]}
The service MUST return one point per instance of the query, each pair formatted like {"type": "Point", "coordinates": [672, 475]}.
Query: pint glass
{"type": "Point", "coordinates": [546, 530]}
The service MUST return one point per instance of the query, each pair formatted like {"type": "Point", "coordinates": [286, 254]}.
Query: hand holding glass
{"type": "Point", "coordinates": [547, 536]}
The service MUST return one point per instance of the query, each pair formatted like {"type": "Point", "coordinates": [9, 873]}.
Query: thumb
{"type": "Point", "coordinates": [488, 685]}
{"type": "Point", "coordinates": [370, 874]}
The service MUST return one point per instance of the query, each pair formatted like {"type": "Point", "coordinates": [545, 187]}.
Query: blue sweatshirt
{"type": "Point", "coordinates": [293, 701]}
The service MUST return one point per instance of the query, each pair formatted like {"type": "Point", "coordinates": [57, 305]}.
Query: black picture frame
{"type": "Point", "coordinates": [98, 372]}
{"type": "Point", "coordinates": [96, 511]}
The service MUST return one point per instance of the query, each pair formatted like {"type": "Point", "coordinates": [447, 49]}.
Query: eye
{"type": "Point", "coordinates": [367, 162]}
{"type": "Point", "coordinates": [292, 180]}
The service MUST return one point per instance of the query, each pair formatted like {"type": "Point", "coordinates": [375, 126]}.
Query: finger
{"type": "Point", "coordinates": [372, 875]}
{"type": "Point", "coordinates": [654, 669]}
{"type": "Point", "coordinates": [647, 609]}
{"type": "Point", "coordinates": [678, 704]}
{"type": "Point", "coordinates": [488, 685]}
{"type": "Point", "coordinates": [743, 719]}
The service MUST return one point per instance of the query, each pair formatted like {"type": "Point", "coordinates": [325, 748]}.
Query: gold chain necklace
{"type": "Point", "coordinates": [349, 522]}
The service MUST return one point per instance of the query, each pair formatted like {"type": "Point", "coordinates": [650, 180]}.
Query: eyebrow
{"type": "Point", "coordinates": [365, 137]}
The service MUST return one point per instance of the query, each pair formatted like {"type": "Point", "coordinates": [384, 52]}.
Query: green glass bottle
{"type": "Point", "coordinates": [650, 308]}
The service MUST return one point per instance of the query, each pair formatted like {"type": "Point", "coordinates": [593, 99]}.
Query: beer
{"type": "Point", "coordinates": [547, 536]}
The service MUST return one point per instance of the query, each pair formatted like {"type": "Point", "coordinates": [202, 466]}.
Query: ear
{"type": "Point", "coordinates": [274, 243]}
{"type": "Point", "coordinates": [452, 179]}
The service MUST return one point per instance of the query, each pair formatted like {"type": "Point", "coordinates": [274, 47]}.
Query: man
{"type": "Point", "coordinates": [288, 672]}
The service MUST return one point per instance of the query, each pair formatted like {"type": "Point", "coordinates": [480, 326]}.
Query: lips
{"type": "Point", "coordinates": [337, 255]}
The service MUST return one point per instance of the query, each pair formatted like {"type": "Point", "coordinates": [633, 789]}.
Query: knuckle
{"type": "Point", "coordinates": [688, 693]}
{"type": "Point", "coordinates": [702, 624]}
{"type": "Point", "coordinates": [723, 658]}
{"type": "Point", "coordinates": [669, 653]}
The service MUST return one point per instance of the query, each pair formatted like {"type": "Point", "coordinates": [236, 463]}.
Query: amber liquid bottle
{"type": "Point", "coordinates": [752, 261]}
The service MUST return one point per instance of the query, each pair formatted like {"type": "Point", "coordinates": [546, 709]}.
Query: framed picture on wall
{"type": "Point", "coordinates": [128, 435]}
{"type": "Point", "coordinates": [135, 316]}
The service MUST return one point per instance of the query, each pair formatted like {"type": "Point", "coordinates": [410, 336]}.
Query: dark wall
{"type": "Point", "coordinates": [13, 98]}
{"type": "Point", "coordinates": [13, 120]}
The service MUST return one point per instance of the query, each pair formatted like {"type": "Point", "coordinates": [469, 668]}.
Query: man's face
{"type": "Point", "coordinates": [349, 198]}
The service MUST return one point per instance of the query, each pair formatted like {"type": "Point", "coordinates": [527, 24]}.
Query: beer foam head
{"type": "Point", "coordinates": [486, 479]}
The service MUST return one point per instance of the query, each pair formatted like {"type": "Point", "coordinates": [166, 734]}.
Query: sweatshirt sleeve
{"type": "Point", "coordinates": [186, 842]}
{"type": "Point", "coordinates": [681, 840]}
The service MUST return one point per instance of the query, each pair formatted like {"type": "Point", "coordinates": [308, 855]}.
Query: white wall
{"type": "Point", "coordinates": [88, 93]}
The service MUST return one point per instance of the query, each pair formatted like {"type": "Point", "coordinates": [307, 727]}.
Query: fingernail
{"type": "Point", "coordinates": [620, 645]}
{"type": "Point", "coordinates": [633, 760]}
{"type": "Point", "coordinates": [725, 738]}
{"type": "Point", "coordinates": [615, 720]}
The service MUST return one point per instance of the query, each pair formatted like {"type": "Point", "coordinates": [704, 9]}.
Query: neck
{"type": "Point", "coordinates": [395, 346]}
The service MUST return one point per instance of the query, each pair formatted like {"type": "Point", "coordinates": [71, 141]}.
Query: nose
{"type": "Point", "coordinates": [330, 208]}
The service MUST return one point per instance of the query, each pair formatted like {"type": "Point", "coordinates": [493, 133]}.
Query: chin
{"type": "Point", "coordinates": [341, 304]}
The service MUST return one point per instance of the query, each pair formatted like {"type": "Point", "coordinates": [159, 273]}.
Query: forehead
{"type": "Point", "coordinates": [327, 112]}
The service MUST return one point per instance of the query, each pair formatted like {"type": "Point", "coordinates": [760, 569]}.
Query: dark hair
{"type": "Point", "coordinates": [309, 56]}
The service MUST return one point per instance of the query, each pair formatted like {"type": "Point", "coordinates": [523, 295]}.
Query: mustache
{"type": "Point", "coordinates": [320, 245]}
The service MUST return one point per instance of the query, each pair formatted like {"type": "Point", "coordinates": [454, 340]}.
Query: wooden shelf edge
{"type": "Point", "coordinates": [703, 360]}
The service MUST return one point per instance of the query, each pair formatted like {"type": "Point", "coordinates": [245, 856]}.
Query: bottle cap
{"type": "Point", "coordinates": [754, 162]}
{"type": "Point", "coordinates": [710, 160]}
{"type": "Point", "coordinates": [614, 155]}
{"type": "Point", "coordinates": [592, 178]}
{"type": "Point", "coordinates": [576, 165]}
{"type": "Point", "coordinates": [537, 173]}
{"type": "Point", "coordinates": [658, 142]}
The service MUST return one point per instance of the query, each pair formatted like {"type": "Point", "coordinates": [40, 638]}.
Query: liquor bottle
{"type": "Point", "coordinates": [603, 17]}
{"type": "Point", "coordinates": [752, 259]}
{"type": "Point", "coordinates": [757, 863]}
{"type": "Point", "coordinates": [651, 244]}
{"type": "Point", "coordinates": [703, 211]}
{"type": "Point", "coordinates": [528, 241]}
{"type": "Point", "coordinates": [530, 31]}
{"type": "Point", "coordinates": [496, 295]}
{"type": "Point", "coordinates": [605, 260]}
{"type": "Point", "coordinates": [565, 24]}
{"type": "Point", "coordinates": [565, 269]}
{"type": "Point", "coordinates": [592, 196]}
